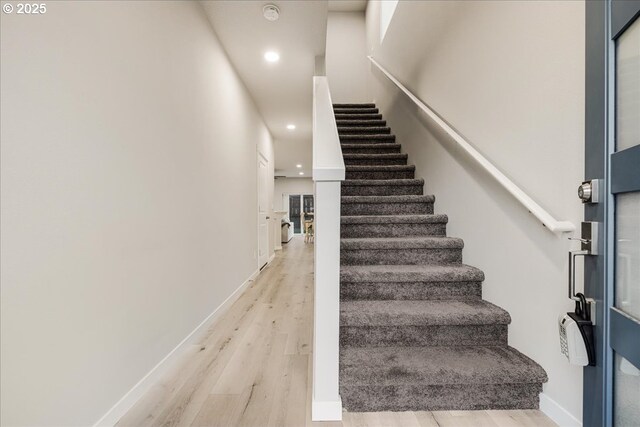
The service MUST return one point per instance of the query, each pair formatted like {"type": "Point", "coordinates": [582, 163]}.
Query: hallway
{"type": "Point", "coordinates": [252, 367]}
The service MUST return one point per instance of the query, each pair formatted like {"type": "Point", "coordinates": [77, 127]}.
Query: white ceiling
{"type": "Point", "coordinates": [282, 91]}
{"type": "Point", "coordinates": [347, 5]}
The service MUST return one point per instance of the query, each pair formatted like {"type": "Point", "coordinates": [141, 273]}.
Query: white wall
{"type": "Point", "coordinates": [286, 186]}
{"type": "Point", "coordinates": [510, 77]}
{"type": "Point", "coordinates": [346, 57]}
{"type": "Point", "coordinates": [128, 198]}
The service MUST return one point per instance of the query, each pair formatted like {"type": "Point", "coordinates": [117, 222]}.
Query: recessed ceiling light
{"type": "Point", "coordinates": [272, 56]}
{"type": "Point", "coordinates": [300, 173]}
{"type": "Point", "coordinates": [298, 166]}
{"type": "Point", "coordinates": [291, 126]}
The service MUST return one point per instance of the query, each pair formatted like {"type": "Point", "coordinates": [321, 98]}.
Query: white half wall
{"type": "Point", "coordinates": [129, 198]}
{"type": "Point", "coordinates": [509, 76]}
{"type": "Point", "coordinates": [346, 57]}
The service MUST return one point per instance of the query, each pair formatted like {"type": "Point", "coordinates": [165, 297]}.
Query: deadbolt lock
{"type": "Point", "coordinates": [589, 191]}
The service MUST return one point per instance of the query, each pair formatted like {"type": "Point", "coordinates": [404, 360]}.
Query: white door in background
{"type": "Point", "coordinates": [263, 211]}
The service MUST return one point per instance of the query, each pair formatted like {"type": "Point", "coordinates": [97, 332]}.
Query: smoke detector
{"type": "Point", "coordinates": [271, 12]}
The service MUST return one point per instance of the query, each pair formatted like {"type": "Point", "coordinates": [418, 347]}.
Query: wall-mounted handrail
{"type": "Point", "coordinates": [538, 211]}
{"type": "Point", "coordinates": [328, 172]}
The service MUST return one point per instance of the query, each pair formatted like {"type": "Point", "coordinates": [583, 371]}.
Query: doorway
{"type": "Point", "coordinates": [300, 207]}
{"type": "Point", "coordinates": [263, 211]}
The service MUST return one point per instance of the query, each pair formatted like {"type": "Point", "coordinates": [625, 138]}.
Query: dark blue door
{"type": "Point", "coordinates": [612, 387]}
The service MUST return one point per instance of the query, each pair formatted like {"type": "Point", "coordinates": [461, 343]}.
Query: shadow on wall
{"type": "Point", "coordinates": [414, 118]}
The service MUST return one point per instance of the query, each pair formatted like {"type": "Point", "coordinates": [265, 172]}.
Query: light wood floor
{"type": "Point", "coordinates": [252, 367]}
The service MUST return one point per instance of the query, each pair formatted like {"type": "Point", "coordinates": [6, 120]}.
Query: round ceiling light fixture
{"type": "Point", "coordinates": [271, 12]}
{"type": "Point", "coordinates": [272, 56]}
{"type": "Point", "coordinates": [291, 126]}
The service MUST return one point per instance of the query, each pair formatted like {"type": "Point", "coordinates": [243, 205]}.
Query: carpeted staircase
{"type": "Point", "coordinates": [415, 333]}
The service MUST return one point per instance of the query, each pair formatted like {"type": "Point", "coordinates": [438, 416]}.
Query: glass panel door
{"type": "Point", "coordinates": [625, 183]}
{"type": "Point", "coordinates": [307, 206]}
{"type": "Point", "coordinates": [294, 212]}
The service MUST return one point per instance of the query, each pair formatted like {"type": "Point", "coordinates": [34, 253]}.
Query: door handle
{"type": "Point", "coordinates": [588, 304]}
{"type": "Point", "coordinates": [589, 246]}
{"type": "Point", "coordinates": [572, 272]}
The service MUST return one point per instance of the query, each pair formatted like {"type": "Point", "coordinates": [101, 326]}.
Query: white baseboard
{"type": "Point", "coordinates": [557, 413]}
{"type": "Point", "coordinates": [326, 410]}
{"type": "Point", "coordinates": [132, 396]}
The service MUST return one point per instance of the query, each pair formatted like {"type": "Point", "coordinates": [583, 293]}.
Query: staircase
{"type": "Point", "coordinates": [415, 333]}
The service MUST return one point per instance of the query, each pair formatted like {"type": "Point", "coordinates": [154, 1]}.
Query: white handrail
{"type": "Point", "coordinates": [328, 164]}
{"type": "Point", "coordinates": [538, 211]}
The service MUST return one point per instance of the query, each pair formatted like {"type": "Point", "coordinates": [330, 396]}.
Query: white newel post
{"type": "Point", "coordinates": [326, 400]}
{"type": "Point", "coordinates": [328, 172]}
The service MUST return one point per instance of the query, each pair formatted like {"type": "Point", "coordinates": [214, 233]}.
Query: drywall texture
{"type": "Point", "coordinates": [286, 186]}
{"type": "Point", "coordinates": [346, 57]}
{"type": "Point", "coordinates": [509, 76]}
{"type": "Point", "coordinates": [129, 204]}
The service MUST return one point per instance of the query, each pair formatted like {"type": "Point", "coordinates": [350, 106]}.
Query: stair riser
{"type": "Point", "coordinates": [407, 174]}
{"type": "Point", "coordinates": [355, 111]}
{"type": "Point", "coordinates": [354, 117]}
{"type": "Point", "coordinates": [458, 397]}
{"type": "Point", "coordinates": [363, 131]}
{"type": "Point", "coordinates": [436, 335]}
{"type": "Point", "coordinates": [386, 208]}
{"type": "Point", "coordinates": [381, 190]}
{"type": "Point", "coordinates": [400, 256]}
{"type": "Point", "coordinates": [392, 230]}
{"type": "Point", "coordinates": [361, 123]}
{"type": "Point", "coordinates": [410, 291]}
{"type": "Point", "coordinates": [364, 105]}
{"type": "Point", "coordinates": [376, 161]}
{"type": "Point", "coordinates": [372, 150]}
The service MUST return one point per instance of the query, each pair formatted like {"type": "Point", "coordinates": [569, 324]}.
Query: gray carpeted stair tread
{"type": "Point", "coordinates": [361, 123]}
{"type": "Point", "coordinates": [354, 105]}
{"type": "Point", "coordinates": [388, 199]}
{"type": "Point", "coordinates": [404, 188]}
{"type": "Point", "coordinates": [402, 224]}
{"type": "Point", "coordinates": [421, 313]}
{"type": "Point", "coordinates": [358, 110]}
{"type": "Point", "coordinates": [381, 182]}
{"type": "Point", "coordinates": [366, 137]}
{"type": "Point", "coordinates": [370, 148]}
{"type": "Point", "coordinates": [387, 205]}
{"type": "Point", "coordinates": [382, 187]}
{"type": "Point", "coordinates": [410, 273]}
{"type": "Point", "coordinates": [375, 156]}
{"type": "Point", "coordinates": [355, 172]}
{"type": "Point", "coordinates": [361, 130]}
{"type": "Point", "coordinates": [403, 291]}
{"type": "Point", "coordinates": [357, 116]}
{"type": "Point", "coordinates": [380, 168]}
{"type": "Point", "coordinates": [437, 366]}
{"type": "Point", "coordinates": [368, 159]}
{"type": "Point", "coordinates": [387, 243]}
{"type": "Point", "coordinates": [394, 219]}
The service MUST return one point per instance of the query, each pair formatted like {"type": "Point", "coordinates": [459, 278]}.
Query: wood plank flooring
{"type": "Point", "coordinates": [252, 368]}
